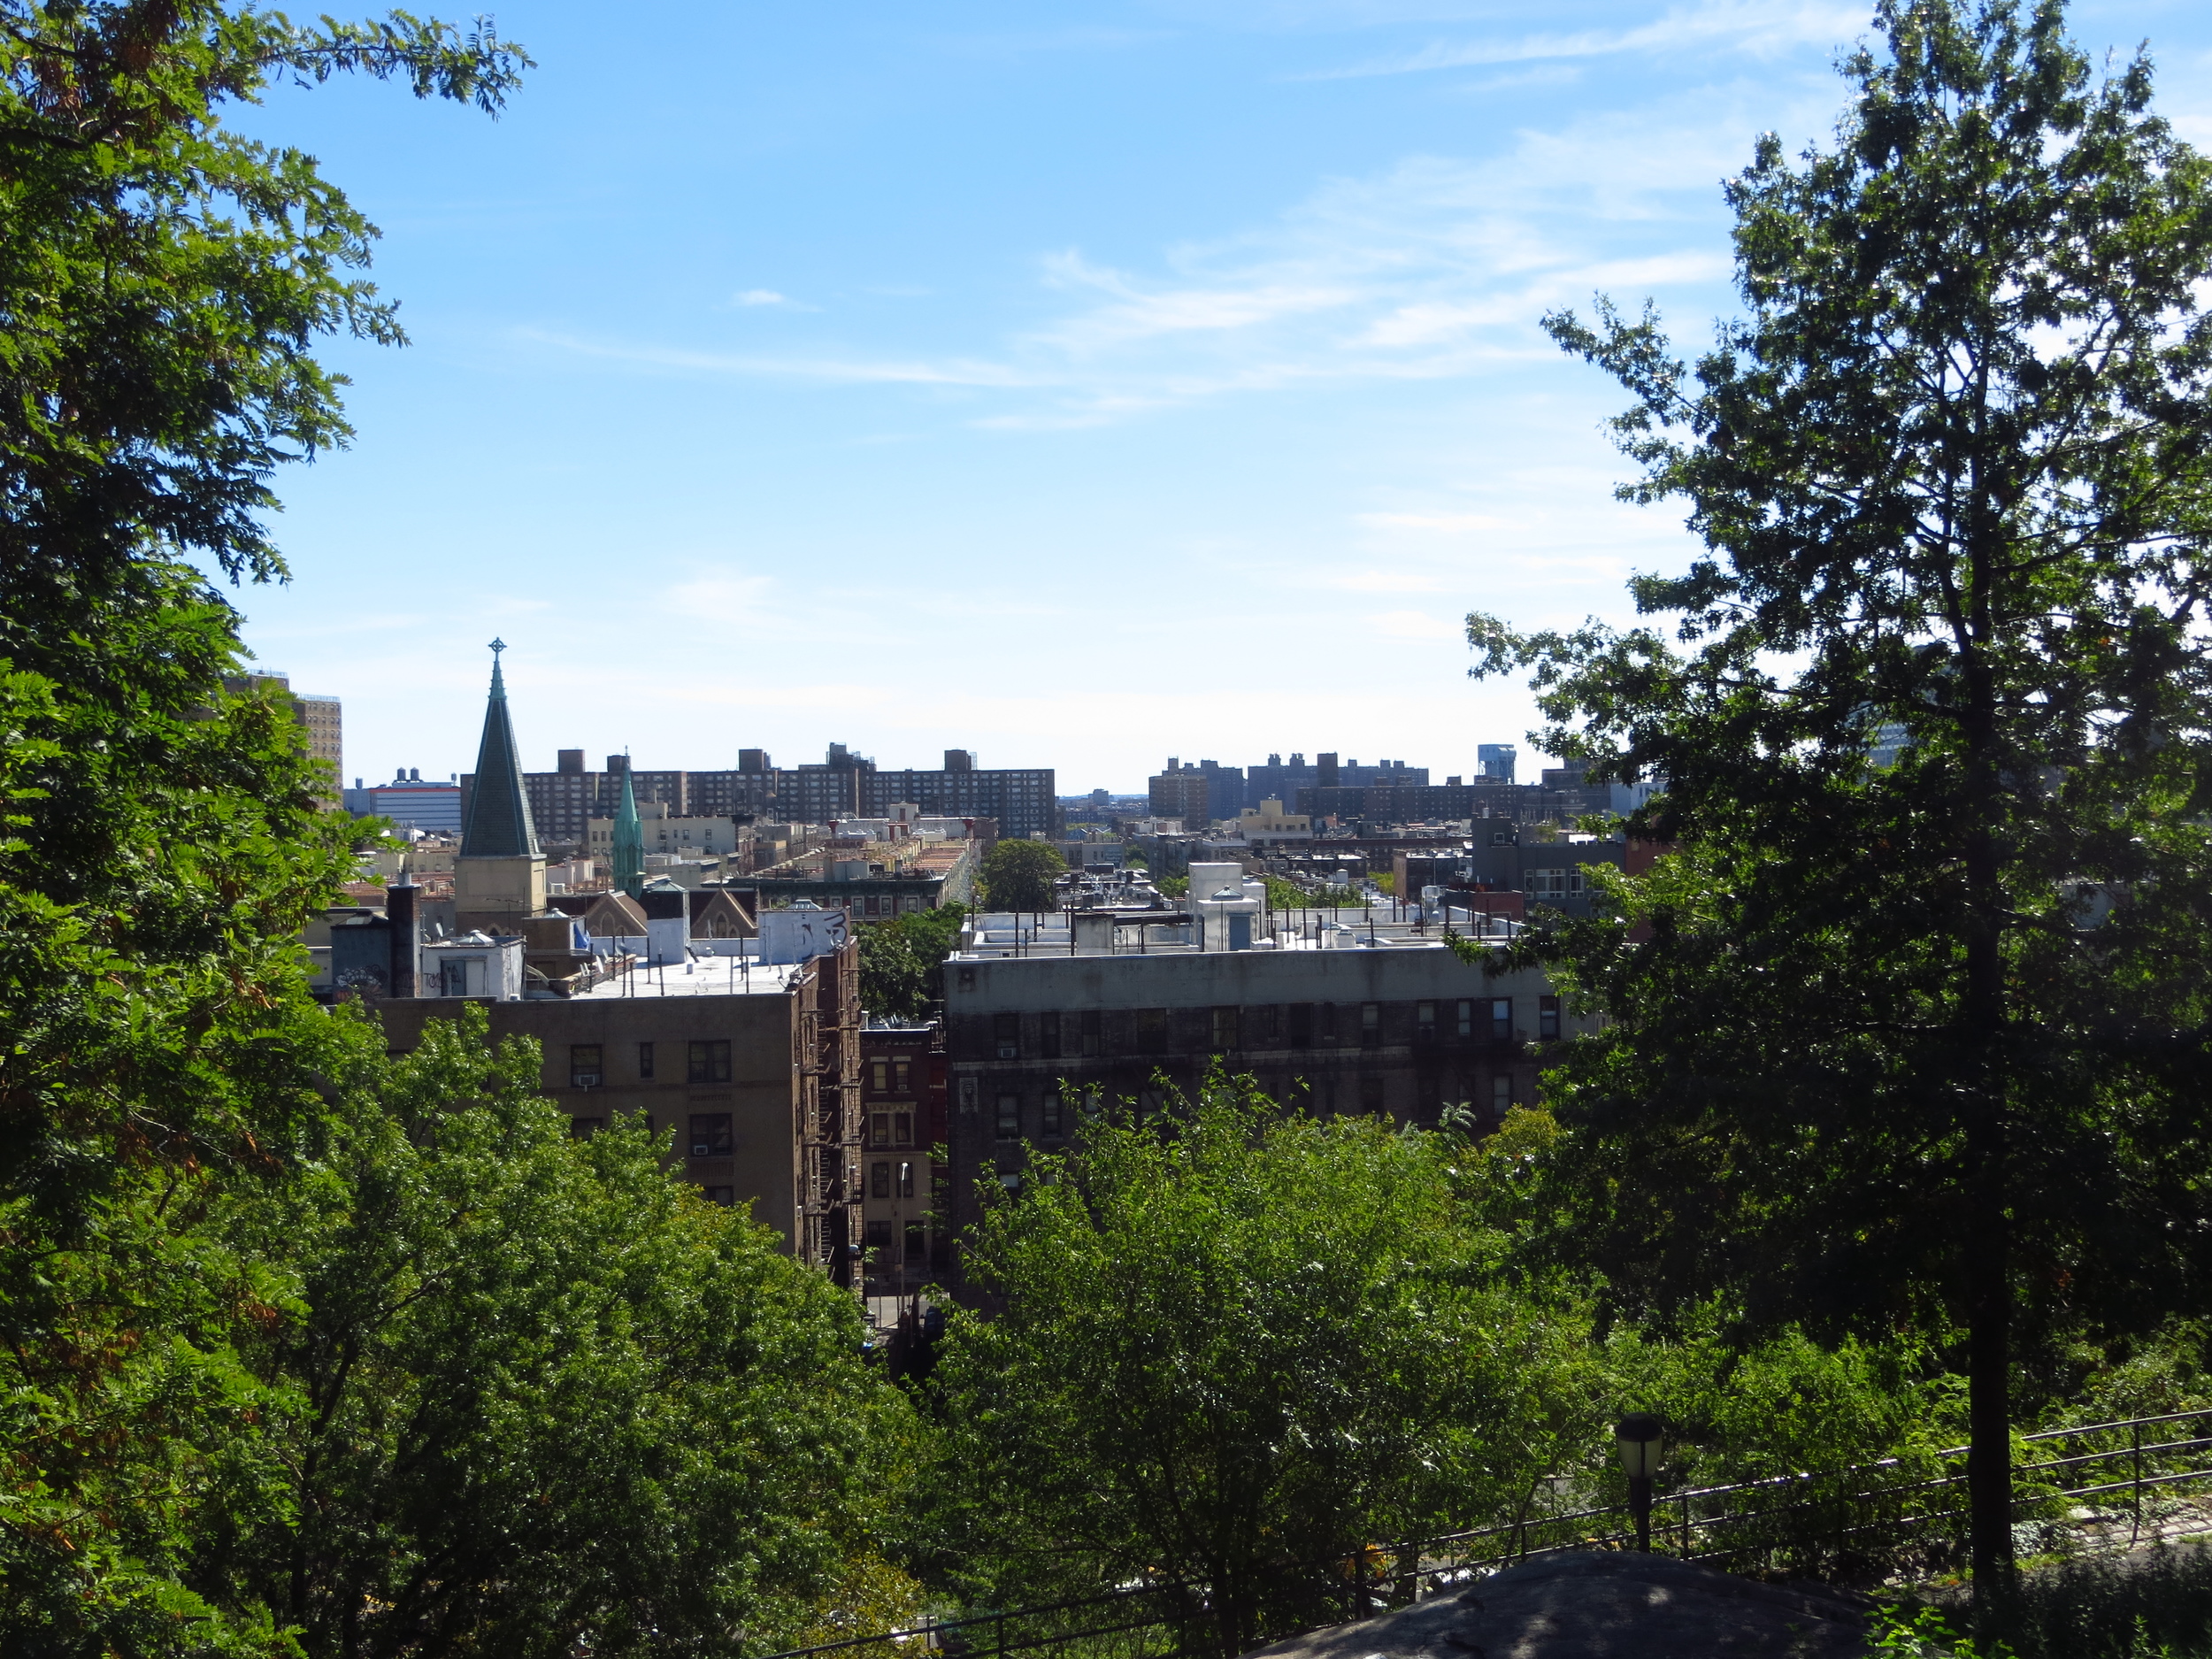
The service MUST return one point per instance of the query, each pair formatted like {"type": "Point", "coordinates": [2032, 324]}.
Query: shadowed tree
{"type": "Point", "coordinates": [1913, 1030]}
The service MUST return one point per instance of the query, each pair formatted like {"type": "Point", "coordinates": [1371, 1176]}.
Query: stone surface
{"type": "Point", "coordinates": [1602, 1605]}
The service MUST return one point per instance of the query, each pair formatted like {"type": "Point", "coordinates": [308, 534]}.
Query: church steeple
{"type": "Point", "coordinates": [498, 824]}
{"type": "Point", "coordinates": [629, 842]}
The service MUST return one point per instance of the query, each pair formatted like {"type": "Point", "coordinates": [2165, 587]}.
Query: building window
{"type": "Point", "coordinates": [902, 1129]}
{"type": "Point", "coordinates": [1006, 1035]}
{"type": "Point", "coordinates": [1502, 1019]}
{"type": "Point", "coordinates": [1050, 1128]}
{"type": "Point", "coordinates": [880, 1180]}
{"type": "Point", "coordinates": [878, 1076]}
{"type": "Point", "coordinates": [1048, 1036]}
{"type": "Point", "coordinates": [1548, 1018]}
{"type": "Point", "coordinates": [1370, 1095]}
{"type": "Point", "coordinates": [1371, 1025]}
{"type": "Point", "coordinates": [709, 1063]}
{"type": "Point", "coordinates": [1466, 1019]}
{"type": "Point", "coordinates": [967, 979]}
{"type": "Point", "coordinates": [916, 1241]}
{"type": "Point", "coordinates": [1090, 1031]}
{"type": "Point", "coordinates": [645, 1061]}
{"type": "Point", "coordinates": [906, 1178]}
{"type": "Point", "coordinates": [1151, 1029]}
{"type": "Point", "coordinates": [584, 1070]}
{"type": "Point", "coordinates": [877, 1236]}
{"type": "Point", "coordinates": [880, 1129]}
{"type": "Point", "coordinates": [1424, 1018]}
{"type": "Point", "coordinates": [1009, 1116]}
{"type": "Point", "coordinates": [1302, 1024]}
{"type": "Point", "coordinates": [584, 1128]}
{"type": "Point", "coordinates": [710, 1134]}
{"type": "Point", "coordinates": [1501, 1095]}
{"type": "Point", "coordinates": [1225, 1025]}
{"type": "Point", "coordinates": [453, 979]}
{"type": "Point", "coordinates": [902, 1077]}
{"type": "Point", "coordinates": [723, 1195]}
{"type": "Point", "coordinates": [1328, 1022]}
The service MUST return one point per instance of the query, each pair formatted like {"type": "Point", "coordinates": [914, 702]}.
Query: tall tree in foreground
{"type": "Point", "coordinates": [1915, 1028]}
{"type": "Point", "coordinates": [162, 281]}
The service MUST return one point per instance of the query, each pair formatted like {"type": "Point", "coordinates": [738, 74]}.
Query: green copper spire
{"type": "Point", "coordinates": [498, 824]}
{"type": "Point", "coordinates": [629, 843]}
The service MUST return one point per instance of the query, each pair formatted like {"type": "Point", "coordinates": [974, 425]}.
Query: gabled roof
{"type": "Point", "coordinates": [498, 824]}
{"type": "Point", "coordinates": [615, 916]}
{"type": "Point", "coordinates": [715, 914]}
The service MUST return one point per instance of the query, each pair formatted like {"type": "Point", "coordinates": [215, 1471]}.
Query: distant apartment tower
{"type": "Point", "coordinates": [320, 714]}
{"type": "Point", "coordinates": [1024, 800]}
{"type": "Point", "coordinates": [842, 785]}
{"type": "Point", "coordinates": [819, 791]}
{"type": "Point", "coordinates": [434, 808]}
{"type": "Point", "coordinates": [564, 802]}
{"type": "Point", "coordinates": [1182, 792]}
{"type": "Point", "coordinates": [1493, 761]}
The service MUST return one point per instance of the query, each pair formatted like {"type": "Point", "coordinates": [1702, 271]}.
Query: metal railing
{"type": "Point", "coordinates": [1899, 1512]}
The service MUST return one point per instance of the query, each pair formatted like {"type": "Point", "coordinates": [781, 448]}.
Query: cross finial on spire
{"type": "Point", "coordinates": [498, 646]}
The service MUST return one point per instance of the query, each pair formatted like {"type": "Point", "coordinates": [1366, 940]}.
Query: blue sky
{"type": "Point", "coordinates": [1076, 384]}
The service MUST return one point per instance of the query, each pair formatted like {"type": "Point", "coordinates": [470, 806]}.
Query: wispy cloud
{"type": "Point", "coordinates": [1414, 625]}
{"type": "Point", "coordinates": [1435, 268]}
{"type": "Point", "coordinates": [723, 598]}
{"type": "Point", "coordinates": [1383, 582]}
{"type": "Point", "coordinates": [1448, 523]}
{"type": "Point", "coordinates": [950, 371]}
{"type": "Point", "coordinates": [1760, 27]}
{"type": "Point", "coordinates": [759, 296]}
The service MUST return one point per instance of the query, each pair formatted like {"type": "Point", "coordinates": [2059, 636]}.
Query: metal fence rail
{"type": "Point", "coordinates": [1894, 1512]}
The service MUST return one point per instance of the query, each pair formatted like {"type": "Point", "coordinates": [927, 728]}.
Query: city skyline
{"type": "Point", "coordinates": [1071, 384]}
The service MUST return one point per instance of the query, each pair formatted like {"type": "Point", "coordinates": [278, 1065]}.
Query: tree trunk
{"type": "Point", "coordinates": [1989, 1378]}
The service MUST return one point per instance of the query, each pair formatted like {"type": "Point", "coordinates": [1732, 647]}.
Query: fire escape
{"type": "Point", "coordinates": [829, 1104]}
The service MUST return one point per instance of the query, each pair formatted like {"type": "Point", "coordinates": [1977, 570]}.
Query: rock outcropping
{"type": "Point", "coordinates": [1610, 1605]}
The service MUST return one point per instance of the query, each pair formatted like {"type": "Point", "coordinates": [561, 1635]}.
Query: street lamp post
{"type": "Point", "coordinates": [1642, 1441]}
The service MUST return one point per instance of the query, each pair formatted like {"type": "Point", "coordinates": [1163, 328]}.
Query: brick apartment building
{"type": "Point", "coordinates": [758, 1077]}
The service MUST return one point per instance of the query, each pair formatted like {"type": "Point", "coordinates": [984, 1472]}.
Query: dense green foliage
{"type": "Point", "coordinates": [527, 1393]}
{"type": "Point", "coordinates": [1018, 875]}
{"type": "Point", "coordinates": [158, 282]}
{"type": "Point", "coordinates": [1242, 1347]}
{"type": "Point", "coordinates": [304, 1350]}
{"type": "Point", "coordinates": [1233, 1340]}
{"type": "Point", "coordinates": [1917, 1045]}
{"type": "Point", "coordinates": [902, 962]}
{"type": "Point", "coordinates": [1288, 895]}
{"type": "Point", "coordinates": [301, 1349]}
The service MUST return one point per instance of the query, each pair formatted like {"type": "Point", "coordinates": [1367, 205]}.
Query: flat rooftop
{"type": "Point", "coordinates": [711, 976]}
{"type": "Point", "coordinates": [1151, 933]}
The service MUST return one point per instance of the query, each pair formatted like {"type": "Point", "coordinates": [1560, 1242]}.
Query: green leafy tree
{"type": "Point", "coordinates": [538, 1396]}
{"type": "Point", "coordinates": [161, 283]}
{"type": "Point", "coordinates": [1018, 875]}
{"type": "Point", "coordinates": [1234, 1343]}
{"type": "Point", "coordinates": [1911, 1029]}
{"type": "Point", "coordinates": [902, 962]}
